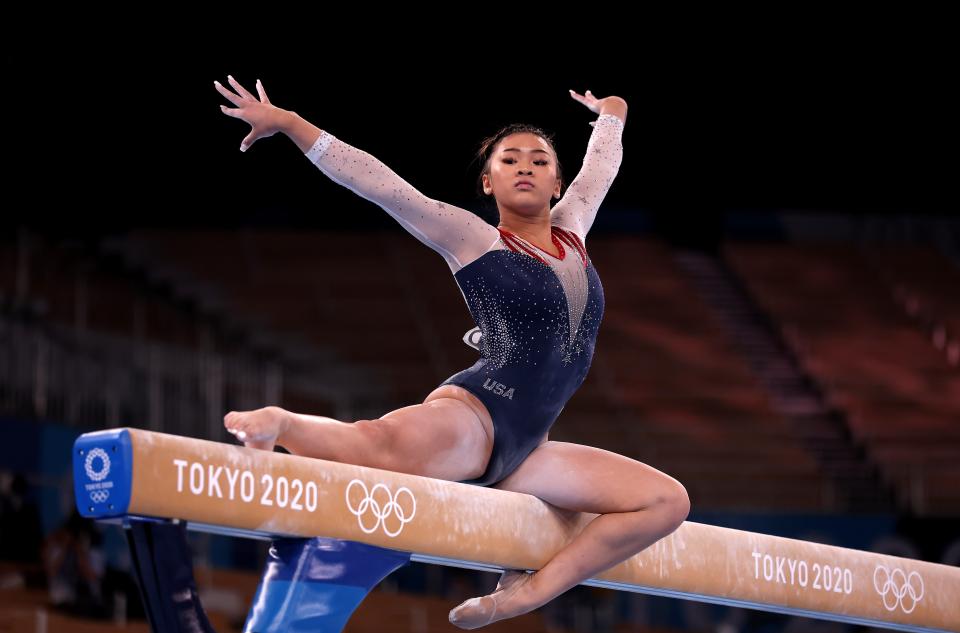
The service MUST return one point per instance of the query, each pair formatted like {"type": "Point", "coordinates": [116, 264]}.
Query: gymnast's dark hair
{"type": "Point", "coordinates": [485, 152]}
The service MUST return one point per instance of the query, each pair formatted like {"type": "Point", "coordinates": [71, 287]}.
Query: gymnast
{"type": "Point", "coordinates": [537, 302]}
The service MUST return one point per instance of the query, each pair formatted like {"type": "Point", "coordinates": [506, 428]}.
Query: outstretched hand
{"type": "Point", "coordinates": [593, 103]}
{"type": "Point", "coordinates": [264, 118]}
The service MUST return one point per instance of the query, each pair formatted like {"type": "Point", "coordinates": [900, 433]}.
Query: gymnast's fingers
{"type": "Point", "coordinates": [262, 92]}
{"type": "Point", "coordinates": [234, 99]}
{"type": "Point", "coordinates": [234, 112]}
{"type": "Point", "coordinates": [240, 89]}
{"type": "Point", "coordinates": [250, 139]}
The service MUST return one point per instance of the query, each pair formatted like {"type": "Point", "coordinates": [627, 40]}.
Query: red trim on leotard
{"type": "Point", "coordinates": [511, 239]}
{"type": "Point", "coordinates": [574, 241]}
{"type": "Point", "coordinates": [515, 245]}
{"type": "Point", "coordinates": [557, 243]}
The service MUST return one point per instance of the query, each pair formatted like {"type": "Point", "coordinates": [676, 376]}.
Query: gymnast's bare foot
{"type": "Point", "coordinates": [257, 429]}
{"type": "Point", "coordinates": [507, 601]}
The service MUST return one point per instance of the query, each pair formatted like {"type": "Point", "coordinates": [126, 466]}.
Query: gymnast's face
{"type": "Point", "coordinates": [523, 156]}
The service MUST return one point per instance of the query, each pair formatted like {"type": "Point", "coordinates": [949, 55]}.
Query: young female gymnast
{"type": "Point", "coordinates": [537, 301]}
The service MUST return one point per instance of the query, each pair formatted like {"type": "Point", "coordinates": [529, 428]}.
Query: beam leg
{"type": "Point", "coordinates": [164, 567]}
{"type": "Point", "coordinates": [316, 584]}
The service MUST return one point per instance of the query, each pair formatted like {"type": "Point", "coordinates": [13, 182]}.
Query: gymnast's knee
{"type": "Point", "coordinates": [677, 506]}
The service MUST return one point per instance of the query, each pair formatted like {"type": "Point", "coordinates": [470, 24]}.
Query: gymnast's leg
{"type": "Point", "coordinates": [636, 503]}
{"type": "Point", "coordinates": [442, 438]}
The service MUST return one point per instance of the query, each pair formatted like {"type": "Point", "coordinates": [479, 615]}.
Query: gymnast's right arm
{"type": "Point", "coordinates": [457, 234]}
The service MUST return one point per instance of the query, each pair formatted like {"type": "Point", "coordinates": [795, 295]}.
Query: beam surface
{"type": "Point", "coordinates": [247, 492]}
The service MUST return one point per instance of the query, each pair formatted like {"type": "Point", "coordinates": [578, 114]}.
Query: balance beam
{"type": "Point", "coordinates": [235, 490]}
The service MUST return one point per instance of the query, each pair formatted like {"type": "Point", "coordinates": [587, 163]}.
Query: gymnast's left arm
{"type": "Point", "coordinates": [580, 203]}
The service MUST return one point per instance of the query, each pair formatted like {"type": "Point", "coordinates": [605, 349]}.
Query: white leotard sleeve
{"type": "Point", "coordinates": [457, 234]}
{"type": "Point", "coordinates": [578, 207]}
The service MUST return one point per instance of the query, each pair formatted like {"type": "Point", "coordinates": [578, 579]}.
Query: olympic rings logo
{"type": "Point", "coordinates": [898, 585]}
{"type": "Point", "coordinates": [99, 496]}
{"type": "Point", "coordinates": [380, 512]}
{"type": "Point", "coordinates": [97, 475]}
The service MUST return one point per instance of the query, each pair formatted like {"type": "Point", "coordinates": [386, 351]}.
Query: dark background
{"type": "Point", "coordinates": [119, 128]}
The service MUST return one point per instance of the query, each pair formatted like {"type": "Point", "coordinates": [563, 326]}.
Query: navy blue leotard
{"type": "Point", "coordinates": [537, 312]}
{"type": "Point", "coordinates": [538, 317]}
